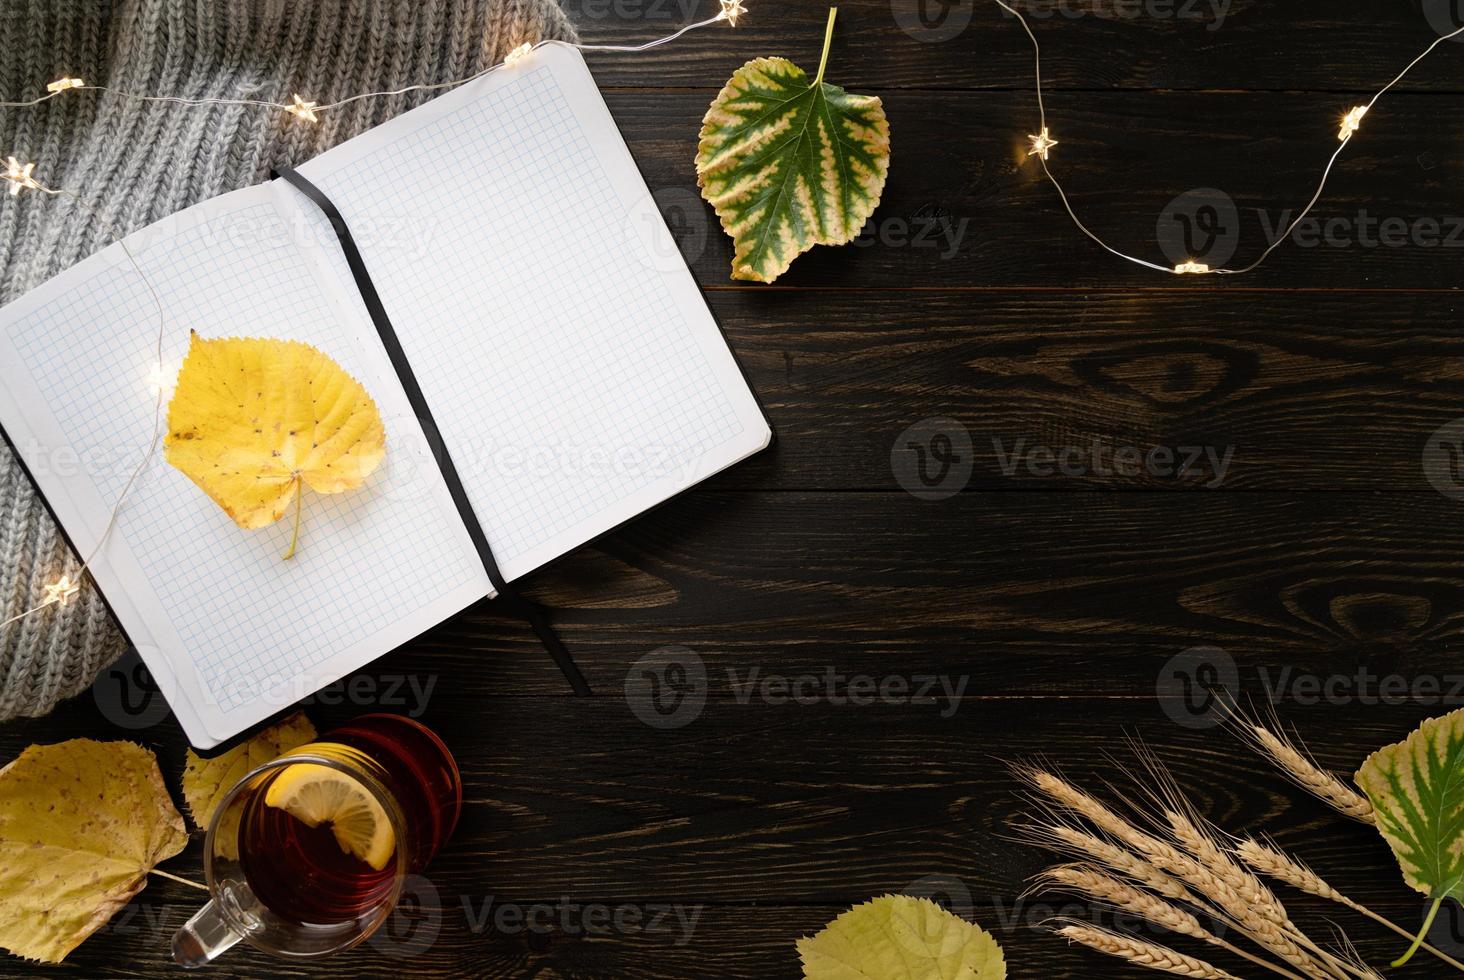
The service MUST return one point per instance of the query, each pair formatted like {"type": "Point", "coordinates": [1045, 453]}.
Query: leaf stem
{"type": "Point", "coordinates": [1388, 923]}
{"type": "Point", "coordinates": [828, 40]}
{"type": "Point", "coordinates": [1423, 931]}
{"type": "Point", "coordinates": [295, 537]}
{"type": "Point", "coordinates": [172, 877]}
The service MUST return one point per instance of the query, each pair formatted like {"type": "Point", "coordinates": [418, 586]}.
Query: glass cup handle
{"type": "Point", "coordinates": [209, 933]}
{"type": "Point", "coordinates": [203, 937]}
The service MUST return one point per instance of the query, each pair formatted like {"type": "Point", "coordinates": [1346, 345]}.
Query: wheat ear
{"type": "Point", "coordinates": [1161, 853]}
{"type": "Point", "coordinates": [1260, 929]}
{"type": "Point", "coordinates": [1141, 953]}
{"type": "Point", "coordinates": [1299, 767]}
{"type": "Point", "coordinates": [1277, 864]}
{"type": "Point", "coordinates": [1093, 884]}
{"type": "Point", "coordinates": [1071, 840]}
{"type": "Point", "coordinates": [1260, 911]}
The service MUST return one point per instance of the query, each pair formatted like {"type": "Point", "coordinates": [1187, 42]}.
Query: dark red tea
{"type": "Point", "coordinates": [303, 874]}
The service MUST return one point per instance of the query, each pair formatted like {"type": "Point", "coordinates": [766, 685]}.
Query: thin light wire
{"type": "Point", "coordinates": [1317, 196]}
{"type": "Point", "coordinates": [730, 12]}
{"type": "Point", "coordinates": [157, 432]}
{"type": "Point", "coordinates": [424, 87]}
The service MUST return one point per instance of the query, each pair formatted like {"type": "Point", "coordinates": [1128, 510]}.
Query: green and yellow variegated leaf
{"type": "Point", "coordinates": [1417, 788]}
{"type": "Point", "coordinates": [897, 937]}
{"type": "Point", "coordinates": [788, 165]}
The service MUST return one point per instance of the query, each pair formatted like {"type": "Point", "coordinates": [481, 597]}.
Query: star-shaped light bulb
{"type": "Point", "coordinates": [731, 10]}
{"type": "Point", "coordinates": [19, 176]}
{"type": "Point", "coordinates": [1041, 143]}
{"type": "Point", "coordinates": [1191, 268]}
{"type": "Point", "coordinates": [1351, 122]}
{"type": "Point", "coordinates": [61, 590]}
{"type": "Point", "coordinates": [304, 110]}
{"type": "Point", "coordinates": [517, 54]}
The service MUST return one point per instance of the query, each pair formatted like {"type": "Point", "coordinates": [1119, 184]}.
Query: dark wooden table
{"type": "Point", "coordinates": [705, 843]}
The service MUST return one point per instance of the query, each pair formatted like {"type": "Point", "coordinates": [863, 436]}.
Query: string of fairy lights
{"type": "Point", "coordinates": [21, 177]}
{"type": "Point", "coordinates": [1042, 142]}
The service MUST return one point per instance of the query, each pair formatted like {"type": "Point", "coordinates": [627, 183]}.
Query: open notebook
{"type": "Point", "coordinates": [559, 339]}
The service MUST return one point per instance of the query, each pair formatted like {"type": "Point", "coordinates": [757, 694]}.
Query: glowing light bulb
{"type": "Point", "coordinates": [1191, 268]}
{"type": "Point", "coordinates": [158, 380]}
{"type": "Point", "coordinates": [731, 10]}
{"type": "Point", "coordinates": [1351, 122]}
{"type": "Point", "coordinates": [1041, 143]}
{"type": "Point", "coordinates": [62, 84]}
{"type": "Point", "coordinates": [304, 110]}
{"type": "Point", "coordinates": [19, 176]}
{"type": "Point", "coordinates": [61, 590]}
{"type": "Point", "coordinates": [517, 54]}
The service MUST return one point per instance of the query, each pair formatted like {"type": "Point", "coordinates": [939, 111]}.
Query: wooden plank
{"type": "Point", "coordinates": [1016, 593]}
{"type": "Point", "coordinates": [1289, 391]}
{"type": "Point", "coordinates": [794, 809]}
{"type": "Point", "coordinates": [1347, 45]}
{"type": "Point", "coordinates": [965, 208]}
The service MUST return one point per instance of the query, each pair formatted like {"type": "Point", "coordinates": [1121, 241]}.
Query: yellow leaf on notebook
{"type": "Point", "coordinates": [253, 422]}
{"type": "Point", "coordinates": [81, 825]}
{"type": "Point", "coordinates": [205, 781]}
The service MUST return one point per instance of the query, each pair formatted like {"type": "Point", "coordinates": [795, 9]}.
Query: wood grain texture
{"type": "Point", "coordinates": [1291, 390]}
{"type": "Point", "coordinates": [1064, 610]}
{"type": "Point", "coordinates": [1023, 593]}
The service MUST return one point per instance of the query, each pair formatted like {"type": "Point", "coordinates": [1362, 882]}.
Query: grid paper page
{"type": "Point", "coordinates": [248, 621]}
{"type": "Point", "coordinates": [560, 364]}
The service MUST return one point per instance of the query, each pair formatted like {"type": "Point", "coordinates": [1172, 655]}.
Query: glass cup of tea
{"type": "Point", "coordinates": [306, 855]}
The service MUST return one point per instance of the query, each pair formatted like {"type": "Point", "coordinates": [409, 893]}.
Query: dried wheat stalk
{"type": "Point", "coordinates": [1230, 889]}
{"type": "Point", "coordinates": [1141, 953]}
{"type": "Point", "coordinates": [1161, 853]}
{"type": "Point", "coordinates": [1092, 883]}
{"type": "Point", "coordinates": [1247, 887]}
{"type": "Point", "coordinates": [1275, 863]}
{"type": "Point", "coordinates": [1299, 767]}
{"type": "Point", "coordinates": [1259, 910]}
{"type": "Point", "coordinates": [1072, 840]}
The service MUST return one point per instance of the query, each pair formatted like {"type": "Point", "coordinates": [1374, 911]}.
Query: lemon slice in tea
{"type": "Point", "coordinates": [315, 794]}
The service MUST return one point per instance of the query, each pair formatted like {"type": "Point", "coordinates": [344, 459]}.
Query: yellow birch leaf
{"type": "Point", "coordinates": [897, 937]}
{"type": "Point", "coordinates": [255, 421]}
{"type": "Point", "coordinates": [81, 825]}
{"type": "Point", "coordinates": [205, 781]}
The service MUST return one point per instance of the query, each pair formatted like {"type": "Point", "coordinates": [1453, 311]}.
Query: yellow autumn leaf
{"type": "Point", "coordinates": [897, 937]}
{"type": "Point", "coordinates": [205, 781]}
{"type": "Point", "coordinates": [81, 825]}
{"type": "Point", "coordinates": [255, 421]}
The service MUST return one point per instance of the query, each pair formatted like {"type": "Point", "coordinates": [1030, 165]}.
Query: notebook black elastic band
{"type": "Point", "coordinates": [516, 603]}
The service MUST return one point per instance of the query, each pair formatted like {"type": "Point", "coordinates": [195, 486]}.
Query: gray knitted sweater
{"type": "Point", "coordinates": [136, 163]}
